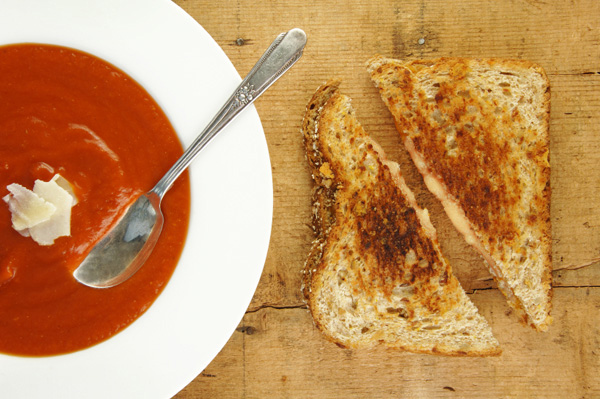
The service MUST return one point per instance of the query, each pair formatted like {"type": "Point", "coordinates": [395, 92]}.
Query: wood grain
{"type": "Point", "coordinates": [276, 351]}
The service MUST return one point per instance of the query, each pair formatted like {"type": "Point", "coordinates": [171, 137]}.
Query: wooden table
{"type": "Point", "coordinates": [276, 350]}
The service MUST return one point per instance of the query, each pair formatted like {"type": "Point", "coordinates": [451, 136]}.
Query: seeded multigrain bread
{"type": "Point", "coordinates": [375, 273]}
{"type": "Point", "coordinates": [477, 130]}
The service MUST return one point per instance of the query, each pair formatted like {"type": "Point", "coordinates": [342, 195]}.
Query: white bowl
{"type": "Point", "coordinates": [190, 77]}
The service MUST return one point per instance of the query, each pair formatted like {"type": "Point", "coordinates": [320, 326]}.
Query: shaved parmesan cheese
{"type": "Point", "coordinates": [44, 213]}
{"type": "Point", "coordinates": [59, 224]}
{"type": "Point", "coordinates": [64, 184]}
{"type": "Point", "coordinates": [26, 207]}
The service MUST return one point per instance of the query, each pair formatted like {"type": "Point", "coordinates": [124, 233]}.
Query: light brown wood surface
{"type": "Point", "coordinates": [276, 350]}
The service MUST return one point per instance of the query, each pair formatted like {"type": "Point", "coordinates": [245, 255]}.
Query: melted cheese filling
{"type": "Point", "coordinates": [453, 210]}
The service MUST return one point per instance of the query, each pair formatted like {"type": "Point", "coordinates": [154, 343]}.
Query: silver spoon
{"type": "Point", "coordinates": [127, 245]}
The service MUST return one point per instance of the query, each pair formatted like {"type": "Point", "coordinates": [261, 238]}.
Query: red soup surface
{"type": "Point", "coordinates": [64, 111]}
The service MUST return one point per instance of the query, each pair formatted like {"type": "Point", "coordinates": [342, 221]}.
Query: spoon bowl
{"type": "Point", "coordinates": [120, 253]}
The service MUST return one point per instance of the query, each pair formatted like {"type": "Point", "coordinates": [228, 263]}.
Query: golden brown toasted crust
{"type": "Point", "coordinates": [479, 127]}
{"type": "Point", "coordinates": [323, 194]}
{"type": "Point", "coordinates": [375, 273]}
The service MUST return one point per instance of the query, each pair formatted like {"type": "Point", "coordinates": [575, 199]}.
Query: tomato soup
{"type": "Point", "coordinates": [67, 112]}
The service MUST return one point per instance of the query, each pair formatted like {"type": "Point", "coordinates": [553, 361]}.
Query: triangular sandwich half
{"type": "Point", "coordinates": [375, 273]}
{"type": "Point", "coordinates": [477, 130]}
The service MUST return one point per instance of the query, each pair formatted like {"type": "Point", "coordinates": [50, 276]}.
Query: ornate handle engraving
{"type": "Point", "coordinates": [244, 95]}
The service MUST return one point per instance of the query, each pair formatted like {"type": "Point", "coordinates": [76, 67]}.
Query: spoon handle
{"type": "Point", "coordinates": [279, 57]}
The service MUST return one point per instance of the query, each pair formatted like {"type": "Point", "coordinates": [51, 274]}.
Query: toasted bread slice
{"type": "Point", "coordinates": [477, 130]}
{"type": "Point", "coordinates": [375, 273]}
